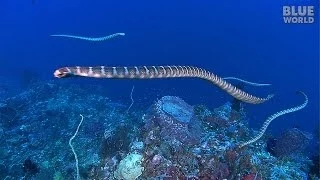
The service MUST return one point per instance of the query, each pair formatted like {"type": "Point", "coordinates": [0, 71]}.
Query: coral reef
{"type": "Point", "coordinates": [292, 142]}
{"type": "Point", "coordinates": [170, 139]}
{"type": "Point", "coordinates": [175, 120]}
{"type": "Point", "coordinates": [129, 168]}
{"type": "Point", "coordinates": [30, 168]}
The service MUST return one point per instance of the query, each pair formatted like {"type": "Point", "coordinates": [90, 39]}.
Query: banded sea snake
{"type": "Point", "coordinates": [274, 116]}
{"type": "Point", "coordinates": [89, 38]}
{"type": "Point", "coordinates": [246, 82]}
{"type": "Point", "coordinates": [149, 72]}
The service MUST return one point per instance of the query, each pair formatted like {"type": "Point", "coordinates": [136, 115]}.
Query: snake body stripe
{"type": "Point", "coordinates": [149, 72]}
{"type": "Point", "coordinates": [274, 116]}
{"type": "Point", "coordinates": [246, 82]}
{"type": "Point", "coordinates": [89, 38]}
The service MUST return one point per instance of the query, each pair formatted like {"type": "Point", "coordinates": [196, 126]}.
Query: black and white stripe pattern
{"type": "Point", "coordinates": [274, 116]}
{"type": "Point", "coordinates": [148, 72]}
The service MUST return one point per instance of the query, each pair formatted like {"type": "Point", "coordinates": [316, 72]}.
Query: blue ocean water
{"type": "Point", "coordinates": [248, 40]}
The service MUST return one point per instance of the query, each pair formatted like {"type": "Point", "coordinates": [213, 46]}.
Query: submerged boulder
{"type": "Point", "coordinates": [175, 119]}
{"type": "Point", "coordinates": [130, 167]}
{"type": "Point", "coordinates": [291, 142]}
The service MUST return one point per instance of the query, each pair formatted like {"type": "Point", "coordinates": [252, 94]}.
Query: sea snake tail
{"type": "Point", "coordinates": [89, 38]}
{"type": "Point", "coordinates": [274, 116]}
{"type": "Point", "coordinates": [150, 72]}
{"type": "Point", "coordinates": [246, 82]}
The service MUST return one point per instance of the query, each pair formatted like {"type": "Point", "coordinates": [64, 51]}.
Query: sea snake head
{"type": "Point", "coordinates": [62, 72]}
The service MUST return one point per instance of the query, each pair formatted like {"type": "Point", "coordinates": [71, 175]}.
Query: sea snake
{"type": "Point", "coordinates": [149, 72]}
{"type": "Point", "coordinates": [274, 116]}
{"type": "Point", "coordinates": [89, 38]}
{"type": "Point", "coordinates": [246, 82]}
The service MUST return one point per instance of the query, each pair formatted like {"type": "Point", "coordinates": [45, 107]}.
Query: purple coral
{"type": "Point", "coordinates": [292, 141]}
{"type": "Point", "coordinates": [156, 160]}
